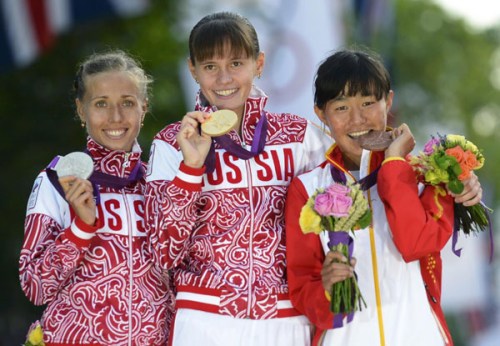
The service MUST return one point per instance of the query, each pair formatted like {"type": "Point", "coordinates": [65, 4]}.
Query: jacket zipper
{"type": "Point", "coordinates": [126, 164]}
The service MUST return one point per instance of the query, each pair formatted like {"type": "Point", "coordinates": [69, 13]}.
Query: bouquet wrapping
{"type": "Point", "coordinates": [339, 210]}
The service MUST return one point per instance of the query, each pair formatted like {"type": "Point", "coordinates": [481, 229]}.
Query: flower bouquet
{"type": "Point", "coordinates": [35, 335]}
{"type": "Point", "coordinates": [339, 210]}
{"type": "Point", "coordinates": [449, 160]}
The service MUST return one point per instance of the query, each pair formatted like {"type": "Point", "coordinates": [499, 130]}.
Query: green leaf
{"type": "Point", "coordinates": [366, 219]}
{"type": "Point", "coordinates": [445, 161]}
{"type": "Point", "coordinates": [456, 169]}
{"type": "Point", "coordinates": [456, 186]}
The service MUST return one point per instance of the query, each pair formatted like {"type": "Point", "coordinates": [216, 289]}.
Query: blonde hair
{"type": "Point", "coordinates": [115, 60]}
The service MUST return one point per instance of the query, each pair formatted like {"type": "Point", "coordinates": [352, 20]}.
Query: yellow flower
{"type": "Point", "coordinates": [456, 139]}
{"type": "Point", "coordinates": [472, 147]}
{"type": "Point", "coordinates": [436, 176]}
{"type": "Point", "coordinates": [36, 336]}
{"type": "Point", "coordinates": [309, 220]}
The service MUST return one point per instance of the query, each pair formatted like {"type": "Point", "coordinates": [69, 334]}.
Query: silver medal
{"type": "Point", "coordinates": [78, 164]}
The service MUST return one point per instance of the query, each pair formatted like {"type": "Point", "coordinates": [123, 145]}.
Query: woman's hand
{"type": "Point", "coordinates": [79, 194]}
{"type": "Point", "coordinates": [402, 144]}
{"type": "Point", "coordinates": [336, 269]}
{"type": "Point", "coordinates": [472, 193]}
{"type": "Point", "coordinates": [194, 145]}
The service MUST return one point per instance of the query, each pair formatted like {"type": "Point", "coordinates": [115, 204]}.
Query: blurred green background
{"type": "Point", "coordinates": [445, 74]}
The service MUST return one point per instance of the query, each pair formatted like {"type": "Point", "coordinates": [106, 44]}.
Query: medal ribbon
{"type": "Point", "coordinates": [225, 141]}
{"type": "Point", "coordinates": [98, 179]}
{"type": "Point", "coordinates": [366, 183]}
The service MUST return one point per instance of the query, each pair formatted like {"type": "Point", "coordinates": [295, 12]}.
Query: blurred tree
{"type": "Point", "coordinates": [444, 74]}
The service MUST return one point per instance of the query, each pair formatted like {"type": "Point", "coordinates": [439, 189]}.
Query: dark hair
{"type": "Point", "coordinates": [115, 60]}
{"type": "Point", "coordinates": [349, 72]}
{"type": "Point", "coordinates": [211, 35]}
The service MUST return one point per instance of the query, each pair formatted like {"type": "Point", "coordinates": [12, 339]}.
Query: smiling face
{"type": "Point", "coordinates": [226, 80]}
{"type": "Point", "coordinates": [349, 117]}
{"type": "Point", "coordinates": [352, 97]}
{"type": "Point", "coordinates": [113, 109]}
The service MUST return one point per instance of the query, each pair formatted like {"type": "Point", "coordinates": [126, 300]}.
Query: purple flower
{"type": "Point", "coordinates": [429, 146]}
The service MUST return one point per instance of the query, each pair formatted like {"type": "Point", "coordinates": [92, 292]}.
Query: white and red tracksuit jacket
{"type": "Point", "coordinates": [99, 283]}
{"type": "Point", "coordinates": [224, 231]}
{"type": "Point", "coordinates": [398, 262]}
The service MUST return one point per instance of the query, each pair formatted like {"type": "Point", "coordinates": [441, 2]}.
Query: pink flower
{"type": "Point", "coordinates": [323, 204]}
{"type": "Point", "coordinates": [338, 189]}
{"type": "Point", "coordinates": [336, 205]}
{"type": "Point", "coordinates": [341, 206]}
{"type": "Point", "coordinates": [429, 146]}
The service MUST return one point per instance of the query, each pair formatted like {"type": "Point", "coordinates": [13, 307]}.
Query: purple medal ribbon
{"type": "Point", "coordinates": [365, 184]}
{"type": "Point", "coordinates": [98, 179]}
{"type": "Point", "coordinates": [115, 182]}
{"type": "Point", "coordinates": [336, 238]}
{"type": "Point", "coordinates": [225, 141]}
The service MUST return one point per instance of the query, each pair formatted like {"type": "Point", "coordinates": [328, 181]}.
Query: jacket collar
{"type": "Point", "coordinates": [254, 107]}
{"type": "Point", "coordinates": [115, 162]}
{"type": "Point", "coordinates": [334, 157]}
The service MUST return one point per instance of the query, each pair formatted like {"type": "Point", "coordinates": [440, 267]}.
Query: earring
{"type": "Point", "coordinates": [82, 124]}
{"type": "Point", "coordinates": [196, 80]}
{"type": "Point", "coordinates": [259, 75]}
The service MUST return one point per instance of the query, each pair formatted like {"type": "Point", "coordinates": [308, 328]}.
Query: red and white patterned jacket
{"type": "Point", "coordinates": [398, 261]}
{"type": "Point", "coordinates": [100, 284]}
{"type": "Point", "coordinates": [224, 231]}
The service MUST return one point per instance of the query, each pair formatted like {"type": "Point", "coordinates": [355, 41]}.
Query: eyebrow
{"type": "Point", "coordinates": [107, 97]}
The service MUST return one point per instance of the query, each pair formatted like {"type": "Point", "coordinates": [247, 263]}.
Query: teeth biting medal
{"type": "Point", "coordinates": [375, 140]}
{"type": "Point", "coordinates": [219, 123]}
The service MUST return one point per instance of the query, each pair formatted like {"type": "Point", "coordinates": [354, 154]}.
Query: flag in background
{"type": "Point", "coordinates": [28, 28]}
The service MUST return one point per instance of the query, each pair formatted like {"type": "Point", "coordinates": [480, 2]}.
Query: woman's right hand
{"type": "Point", "coordinates": [336, 269]}
{"type": "Point", "coordinates": [403, 142]}
{"type": "Point", "coordinates": [194, 145]}
{"type": "Point", "coordinates": [79, 194]}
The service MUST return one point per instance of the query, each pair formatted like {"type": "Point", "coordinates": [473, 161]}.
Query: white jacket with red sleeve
{"type": "Point", "coordinates": [224, 231]}
{"type": "Point", "coordinates": [398, 262]}
{"type": "Point", "coordinates": [99, 283]}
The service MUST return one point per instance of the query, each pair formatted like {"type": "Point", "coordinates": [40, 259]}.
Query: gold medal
{"type": "Point", "coordinates": [219, 123]}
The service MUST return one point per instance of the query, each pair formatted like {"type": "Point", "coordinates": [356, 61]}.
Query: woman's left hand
{"type": "Point", "coordinates": [472, 193]}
